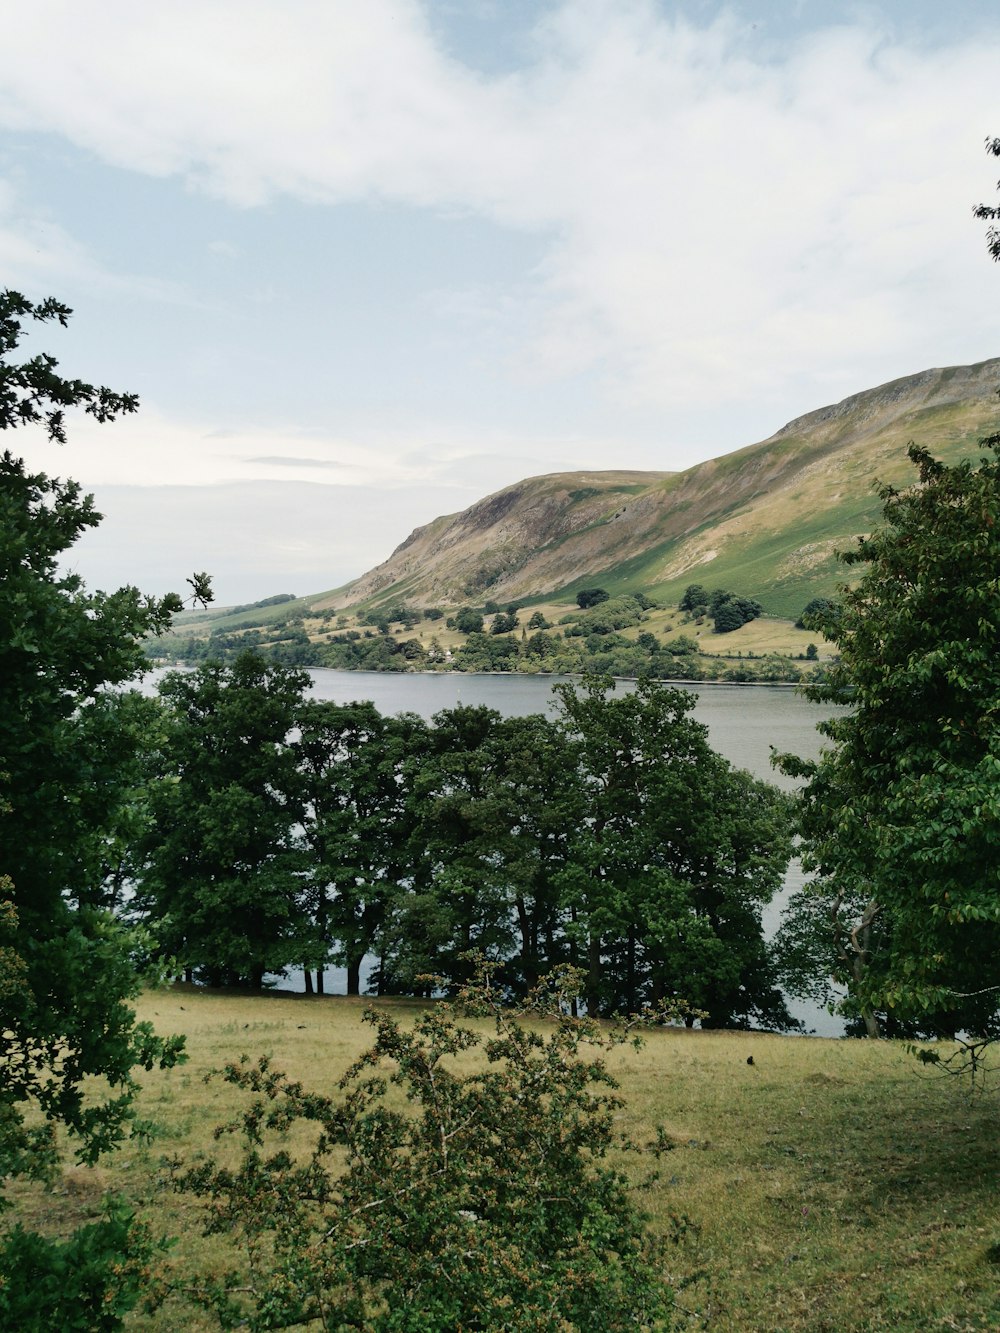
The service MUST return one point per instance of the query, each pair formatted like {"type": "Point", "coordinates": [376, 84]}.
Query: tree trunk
{"type": "Point", "coordinates": [307, 974]}
{"type": "Point", "coordinates": [354, 974]}
{"type": "Point", "coordinates": [319, 981]}
{"type": "Point", "coordinates": [632, 1000]}
{"type": "Point", "coordinates": [593, 975]}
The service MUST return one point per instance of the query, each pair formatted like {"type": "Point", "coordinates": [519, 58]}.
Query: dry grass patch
{"type": "Point", "coordinates": [831, 1185]}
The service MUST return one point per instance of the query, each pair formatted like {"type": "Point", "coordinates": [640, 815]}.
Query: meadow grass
{"type": "Point", "coordinates": [831, 1185]}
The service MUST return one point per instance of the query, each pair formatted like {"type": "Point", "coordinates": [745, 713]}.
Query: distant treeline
{"type": "Point", "coordinates": [495, 639]}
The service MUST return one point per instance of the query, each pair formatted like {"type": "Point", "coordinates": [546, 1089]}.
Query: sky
{"type": "Point", "coordinates": [366, 261]}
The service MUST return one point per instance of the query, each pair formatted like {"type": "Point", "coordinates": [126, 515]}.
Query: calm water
{"type": "Point", "coordinates": [745, 723]}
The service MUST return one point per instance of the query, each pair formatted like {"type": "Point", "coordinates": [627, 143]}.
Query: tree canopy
{"type": "Point", "coordinates": [67, 764]}
{"type": "Point", "coordinates": [901, 816]}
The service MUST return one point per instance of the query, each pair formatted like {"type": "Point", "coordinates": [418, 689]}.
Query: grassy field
{"type": "Point", "coordinates": [830, 1185]}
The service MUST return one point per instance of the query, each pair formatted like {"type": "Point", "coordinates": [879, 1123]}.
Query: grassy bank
{"type": "Point", "coordinates": [830, 1185]}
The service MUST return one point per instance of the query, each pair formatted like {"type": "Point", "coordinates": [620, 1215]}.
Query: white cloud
{"type": "Point", "coordinates": [723, 221]}
{"type": "Point", "coordinates": [153, 450]}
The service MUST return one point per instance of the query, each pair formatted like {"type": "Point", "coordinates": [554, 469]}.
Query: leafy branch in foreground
{"type": "Point", "coordinates": [438, 1193]}
{"type": "Point", "coordinates": [71, 743]}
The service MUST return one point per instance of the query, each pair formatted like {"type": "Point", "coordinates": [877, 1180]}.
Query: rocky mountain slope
{"type": "Point", "coordinates": [765, 520]}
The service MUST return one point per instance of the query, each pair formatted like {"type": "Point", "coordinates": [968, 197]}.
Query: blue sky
{"type": "Point", "coordinates": [367, 260]}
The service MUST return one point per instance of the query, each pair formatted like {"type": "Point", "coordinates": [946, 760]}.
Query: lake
{"type": "Point", "coordinates": [744, 721]}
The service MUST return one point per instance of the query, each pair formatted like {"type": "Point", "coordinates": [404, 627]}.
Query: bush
{"type": "Point", "coordinates": [816, 609]}
{"type": "Point", "coordinates": [86, 1283]}
{"type": "Point", "coordinates": [468, 621]}
{"type": "Point", "coordinates": [588, 597]}
{"type": "Point", "coordinates": [488, 1206]}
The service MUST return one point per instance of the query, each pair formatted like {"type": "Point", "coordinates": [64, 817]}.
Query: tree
{"type": "Point", "coordinates": [494, 802]}
{"type": "Point", "coordinates": [356, 769]}
{"type": "Point", "coordinates": [459, 895]}
{"type": "Point", "coordinates": [223, 869]}
{"type": "Point", "coordinates": [695, 597]}
{"type": "Point", "coordinates": [504, 622]}
{"type": "Point", "coordinates": [672, 861]}
{"type": "Point", "coordinates": [730, 612]}
{"type": "Point", "coordinates": [483, 1200]}
{"type": "Point", "coordinates": [65, 1017]}
{"type": "Point", "coordinates": [468, 621]}
{"type": "Point", "coordinates": [989, 212]}
{"type": "Point", "coordinates": [817, 608]}
{"type": "Point", "coordinates": [728, 617]}
{"type": "Point", "coordinates": [901, 816]}
{"type": "Point", "coordinates": [588, 597]}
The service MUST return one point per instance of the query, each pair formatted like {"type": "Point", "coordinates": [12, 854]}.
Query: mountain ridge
{"type": "Point", "coordinates": [765, 519]}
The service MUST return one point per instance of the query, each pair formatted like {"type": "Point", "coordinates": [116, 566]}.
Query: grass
{"type": "Point", "coordinates": [830, 1185]}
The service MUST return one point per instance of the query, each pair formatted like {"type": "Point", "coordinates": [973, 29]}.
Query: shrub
{"type": "Point", "coordinates": [588, 597]}
{"type": "Point", "coordinates": [488, 1205]}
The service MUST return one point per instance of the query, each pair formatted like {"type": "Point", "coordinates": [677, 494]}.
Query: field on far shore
{"type": "Point", "coordinates": [831, 1185]}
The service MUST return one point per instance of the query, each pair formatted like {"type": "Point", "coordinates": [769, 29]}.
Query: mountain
{"type": "Point", "coordinates": [765, 521]}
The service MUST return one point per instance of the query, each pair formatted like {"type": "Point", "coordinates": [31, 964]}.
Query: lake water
{"type": "Point", "coordinates": [745, 724]}
{"type": "Point", "coordinates": [744, 721]}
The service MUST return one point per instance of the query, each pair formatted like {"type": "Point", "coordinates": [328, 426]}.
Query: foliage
{"type": "Point", "coordinates": [671, 860]}
{"type": "Point", "coordinates": [588, 597]}
{"type": "Point", "coordinates": [488, 1205]}
{"type": "Point", "coordinates": [503, 622]}
{"type": "Point", "coordinates": [695, 595]}
{"type": "Point", "coordinates": [729, 612]}
{"type": "Point", "coordinates": [287, 832]}
{"type": "Point", "coordinates": [88, 1283]}
{"type": "Point", "coordinates": [356, 825]}
{"type": "Point", "coordinates": [468, 621]}
{"type": "Point", "coordinates": [608, 615]}
{"type": "Point", "coordinates": [989, 212]}
{"type": "Point", "coordinates": [222, 868]}
{"type": "Point", "coordinates": [819, 609]}
{"type": "Point", "coordinates": [900, 817]}
{"type": "Point", "coordinates": [492, 802]}
{"type": "Point", "coordinates": [68, 754]}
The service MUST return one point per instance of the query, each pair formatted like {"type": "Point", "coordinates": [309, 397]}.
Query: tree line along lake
{"type": "Point", "coordinates": [745, 724]}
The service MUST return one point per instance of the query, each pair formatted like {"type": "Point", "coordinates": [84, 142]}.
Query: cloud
{"type": "Point", "coordinates": [726, 218]}
{"type": "Point", "coordinates": [273, 460]}
{"type": "Point", "coordinates": [153, 450]}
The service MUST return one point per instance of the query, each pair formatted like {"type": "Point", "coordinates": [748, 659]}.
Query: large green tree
{"type": "Point", "coordinates": [67, 758]}
{"type": "Point", "coordinates": [494, 801]}
{"type": "Point", "coordinates": [901, 815]}
{"type": "Point", "coordinates": [223, 873]}
{"type": "Point", "coordinates": [356, 767]}
{"type": "Point", "coordinates": [673, 860]}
